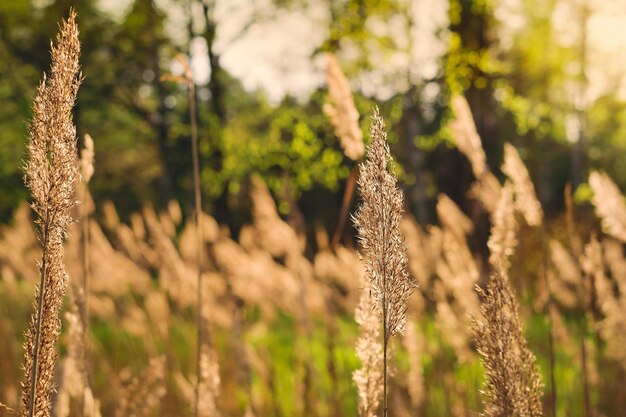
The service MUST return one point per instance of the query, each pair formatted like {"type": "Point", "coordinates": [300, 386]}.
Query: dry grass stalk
{"type": "Point", "coordinates": [513, 387]}
{"type": "Point", "coordinates": [203, 330]}
{"type": "Point", "coordinates": [342, 112]}
{"type": "Point", "coordinates": [486, 188]}
{"type": "Point", "coordinates": [526, 201]}
{"type": "Point", "coordinates": [466, 136]}
{"type": "Point", "coordinates": [273, 234]}
{"type": "Point", "coordinates": [502, 239]}
{"type": "Point", "coordinates": [368, 378]}
{"type": "Point", "coordinates": [207, 375]}
{"type": "Point", "coordinates": [609, 204]}
{"type": "Point", "coordinates": [51, 170]}
{"type": "Point", "coordinates": [383, 249]}
{"type": "Point", "coordinates": [452, 218]}
{"type": "Point", "coordinates": [174, 275]}
{"type": "Point", "coordinates": [615, 261]}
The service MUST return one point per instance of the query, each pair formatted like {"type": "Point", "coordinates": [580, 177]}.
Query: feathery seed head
{"type": "Point", "coordinates": [50, 172]}
{"type": "Point", "coordinates": [513, 386]}
{"type": "Point", "coordinates": [609, 204]}
{"type": "Point", "coordinates": [503, 240]}
{"type": "Point", "coordinates": [526, 201]}
{"type": "Point", "coordinates": [342, 111]}
{"type": "Point", "coordinates": [383, 250]}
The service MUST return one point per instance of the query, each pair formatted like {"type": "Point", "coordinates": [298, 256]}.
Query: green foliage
{"type": "Point", "coordinates": [292, 147]}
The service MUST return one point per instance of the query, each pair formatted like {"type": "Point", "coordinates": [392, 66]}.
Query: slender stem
{"type": "Point", "coordinates": [345, 206]}
{"type": "Point", "coordinates": [42, 288]}
{"type": "Point", "coordinates": [385, 340]}
{"type": "Point", "coordinates": [199, 239]}
{"type": "Point", "coordinates": [83, 300]}
{"type": "Point", "coordinates": [384, 301]}
{"type": "Point", "coordinates": [85, 259]}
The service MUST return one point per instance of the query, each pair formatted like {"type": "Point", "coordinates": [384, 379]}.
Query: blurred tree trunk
{"type": "Point", "coordinates": [217, 106]}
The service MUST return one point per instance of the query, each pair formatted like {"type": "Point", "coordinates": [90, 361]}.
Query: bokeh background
{"type": "Point", "coordinates": [547, 76]}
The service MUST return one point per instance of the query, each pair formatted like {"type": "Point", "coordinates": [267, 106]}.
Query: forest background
{"type": "Point", "coordinates": [547, 76]}
{"type": "Point", "coordinates": [544, 76]}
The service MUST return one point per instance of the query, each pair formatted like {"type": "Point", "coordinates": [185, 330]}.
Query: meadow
{"type": "Point", "coordinates": [498, 312]}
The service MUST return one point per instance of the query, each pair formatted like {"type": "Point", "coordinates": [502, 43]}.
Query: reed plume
{"type": "Point", "coordinates": [383, 251]}
{"type": "Point", "coordinates": [452, 218]}
{"type": "Point", "coordinates": [466, 137]}
{"type": "Point", "coordinates": [513, 387]}
{"type": "Point", "coordinates": [345, 119]}
{"type": "Point", "coordinates": [50, 172]}
{"type": "Point", "coordinates": [342, 111]}
{"type": "Point", "coordinates": [526, 201]}
{"type": "Point", "coordinates": [486, 188]}
{"type": "Point", "coordinates": [502, 239]}
{"type": "Point", "coordinates": [609, 204]}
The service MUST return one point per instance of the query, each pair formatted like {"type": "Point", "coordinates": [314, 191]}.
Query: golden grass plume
{"type": "Point", "coordinates": [51, 170]}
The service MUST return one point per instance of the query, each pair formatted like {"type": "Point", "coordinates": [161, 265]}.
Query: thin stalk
{"type": "Point", "coordinates": [33, 373]}
{"type": "Point", "coordinates": [385, 327]}
{"type": "Point", "coordinates": [199, 239]}
{"type": "Point", "coordinates": [83, 303]}
{"type": "Point", "coordinates": [345, 206]}
{"type": "Point", "coordinates": [385, 340]}
{"type": "Point", "coordinates": [85, 261]}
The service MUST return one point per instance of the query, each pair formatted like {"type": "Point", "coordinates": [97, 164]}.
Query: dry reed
{"type": "Point", "coordinates": [383, 250]}
{"type": "Point", "coordinates": [51, 170]}
{"type": "Point", "coordinates": [503, 240]}
{"type": "Point", "coordinates": [526, 201]}
{"type": "Point", "coordinates": [342, 111]}
{"type": "Point", "coordinates": [486, 188]}
{"type": "Point", "coordinates": [513, 387]}
{"type": "Point", "coordinates": [609, 204]}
